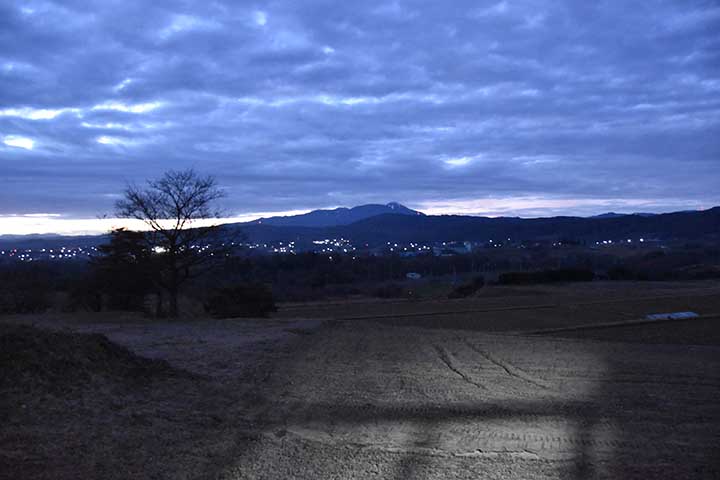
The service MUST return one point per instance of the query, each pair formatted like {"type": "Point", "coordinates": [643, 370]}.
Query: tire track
{"type": "Point", "coordinates": [446, 358]}
{"type": "Point", "coordinates": [510, 369]}
{"type": "Point", "coordinates": [493, 442]}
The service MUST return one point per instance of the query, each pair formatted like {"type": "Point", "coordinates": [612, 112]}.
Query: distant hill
{"type": "Point", "coordinates": [379, 229]}
{"type": "Point", "coordinates": [40, 241]}
{"type": "Point", "coordinates": [615, 215]}
{"type": "Point", "coordinates": [337, 216]}
{"type": "Point", "coordinates": [609, 215]}
{"type": "Point", "coordinates": [669, 226]}
{"type": "Point", "coordinates": [411, 226]}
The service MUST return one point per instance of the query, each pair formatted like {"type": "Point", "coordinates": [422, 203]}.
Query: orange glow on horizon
{"type": "Point", "coordinates": [527, 206]}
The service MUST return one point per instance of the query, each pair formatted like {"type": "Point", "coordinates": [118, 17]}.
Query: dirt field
{"type": "Point", "coordinates": [389, 402]}
{"type": "Point", "coordinates": [474, 396]}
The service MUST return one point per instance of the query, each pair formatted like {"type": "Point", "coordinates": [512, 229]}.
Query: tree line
{"type": "Point", "coordinates": [183, 254]}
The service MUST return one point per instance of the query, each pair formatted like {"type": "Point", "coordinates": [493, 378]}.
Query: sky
{"type": "Point", "coordinates": [523, 108]}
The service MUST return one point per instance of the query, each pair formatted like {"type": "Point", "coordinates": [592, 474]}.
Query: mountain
{"type": "Point", "coordinates": [694, 225]}
{"type": "Point", "coordinates": [609, 215]}
{"type": "Point", "coordinates": [376, 230]}
{"type": "Point", "coordinates": [52, 240]}
{"type": "Point", "coordinates": [615, 215]}
{"type": "Point", "coordinates": [379, 229]}
{"type": "Point", "coordinates": [337, 216]}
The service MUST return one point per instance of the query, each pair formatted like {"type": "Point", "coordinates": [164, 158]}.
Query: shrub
{"type": "Point", "coordinates": [570, 275]}
{"type": "Point", "coordinates": [245, 300]}
{"type": "Point", "coordinates": [621, 273]}
{"type": "Point", "coordinates": [467, 289]}
{"type": "Point", "coordinates": [389, 290]}
{"type": "Point", "coordinates": [25, 289]}
{"type": "Point", "coordinates": [702, 272]}
{"type": "Point", "coordinates": [27, 300]}
{"type": "Point", "coordinates": [84, 296]}
{"type": "Point", "coordinates": [546, 276]}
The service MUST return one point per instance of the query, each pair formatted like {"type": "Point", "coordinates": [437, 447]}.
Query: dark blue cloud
{"type": "Point", "coordinates": [317, 103]}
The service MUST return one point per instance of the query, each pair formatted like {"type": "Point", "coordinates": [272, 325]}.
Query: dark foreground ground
{"type": "Point", "coordinates": [396, 396]}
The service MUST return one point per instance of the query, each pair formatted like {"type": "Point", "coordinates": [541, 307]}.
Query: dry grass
{"type": "Point", "coordinates": [517, 309]}
{"type": "Point", "coordinates": [80, 406]}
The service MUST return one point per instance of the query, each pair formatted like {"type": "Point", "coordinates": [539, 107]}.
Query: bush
{"type": "Point", "coordinates": [546, 276]}
{"type": "Point", "coordinates": [621, 273]}
{"type": "Point", "coordinates": [389, 290]}
{"type": "Point", "coordinates": [702, 272]}
{"type": "Point", "coordinates": [246, 300]}
{"type": "Point", "coordinates": [28, 300]}
{"type": "Point", "coordinates": [467, 289]}
{"type": "Point", "coordinates": [84, 296]}
{"type": "Point", "coordinates": [341, 290]}
{"type": "Point", "coordinates": [25, 289]}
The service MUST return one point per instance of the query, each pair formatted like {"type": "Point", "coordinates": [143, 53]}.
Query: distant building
{"type": "Point", "coordinates": [452, 248]}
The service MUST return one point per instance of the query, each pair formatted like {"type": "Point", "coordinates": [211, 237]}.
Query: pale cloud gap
{"type": "Point", "coordinates": [121, 107]}
{"type": "Point", "coordinates": [523, 107]}
{"type": "Point", "coordinates": [53, 223]}
{"type": "Point", "coordinates": [49, 223]}
{"type": "Point", "coordinates": [536, 206]}
{"type": "Point", "coordinates": [17, 141]}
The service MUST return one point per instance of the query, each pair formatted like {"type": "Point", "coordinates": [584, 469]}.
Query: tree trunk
{"type": "Point", "coordinates": [173, 300]}
{"type": "Point", "coordinates": [159, 304]}
{"type": "Point", "coordinates": [173, 281]}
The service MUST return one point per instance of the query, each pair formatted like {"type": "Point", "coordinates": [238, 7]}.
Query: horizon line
{"type": "Point", "coordinates": [53, 224]}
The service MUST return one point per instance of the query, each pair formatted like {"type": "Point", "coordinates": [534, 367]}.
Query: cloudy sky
{"type": "Point", "coordinates": [522, 107]}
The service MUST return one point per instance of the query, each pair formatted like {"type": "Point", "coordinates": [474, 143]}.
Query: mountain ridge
{"type": "Point", "coordinates": [336, 216]}
{"type": "Point", "coordinates": [389, 227]}
{"type": "Point", "coordinates": [431, 228]}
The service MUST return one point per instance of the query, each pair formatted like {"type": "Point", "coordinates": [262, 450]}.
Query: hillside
{"type": "Point", "coordinates": [405, 227]}
{"type": "Point", "coordinates": [337, 216]}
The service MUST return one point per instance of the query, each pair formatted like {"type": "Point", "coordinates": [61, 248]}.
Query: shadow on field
{"type": "Point", "coordinates": [651, 413]}
{"type": "Point", "coordinates": [664, 408]}
{"type": "Point", "coordinates": [429, 423]}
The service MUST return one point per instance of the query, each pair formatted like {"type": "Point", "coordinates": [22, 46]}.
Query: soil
{"type": "Point", "coordinates": [316, 393]}
{"type": "Point", "coordinates": [360, 401]}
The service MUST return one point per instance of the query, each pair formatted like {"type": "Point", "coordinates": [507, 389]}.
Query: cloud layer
{"type": "Point", "coordinates": [522, 107]}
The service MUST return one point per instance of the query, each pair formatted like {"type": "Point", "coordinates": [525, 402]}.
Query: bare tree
{"type": "Point", "coordinates": [171, 207]}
